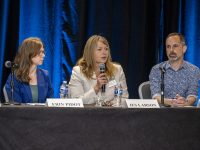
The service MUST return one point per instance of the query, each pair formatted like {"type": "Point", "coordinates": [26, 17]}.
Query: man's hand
{"type": "Point", "coordinates": [179, 101]}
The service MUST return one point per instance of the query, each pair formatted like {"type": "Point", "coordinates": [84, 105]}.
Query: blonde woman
{"type": "Point", "coordinates": [31, 84]}
{"type": "Point", "coordinates": [86, 80]}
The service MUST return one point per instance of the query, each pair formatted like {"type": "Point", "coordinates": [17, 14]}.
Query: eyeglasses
{"type": "Point", "coordinates": [41, 52]}
{"type": "Point", "coordinates": [174, 45]}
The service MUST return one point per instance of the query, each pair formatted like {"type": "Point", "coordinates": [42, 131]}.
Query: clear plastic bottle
{"type": "Point", "coordinates": [64, 90]}
{"type": "Point", "coordinates": [118, 94]}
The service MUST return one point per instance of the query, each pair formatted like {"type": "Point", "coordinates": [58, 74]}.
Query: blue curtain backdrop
{"type": "Point", "coordinates": [41, 19]}
{"type": "Point", "coordinates": [44, 19]}
{"type": "Point", "coordinates": [136, 30]}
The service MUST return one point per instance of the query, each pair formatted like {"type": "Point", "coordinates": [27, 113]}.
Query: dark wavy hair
{"type": "Point", "coordinates": [29, 48]}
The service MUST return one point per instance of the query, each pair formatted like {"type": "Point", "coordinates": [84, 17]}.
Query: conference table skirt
{"type": "Point", "coordinates": [41, 128]}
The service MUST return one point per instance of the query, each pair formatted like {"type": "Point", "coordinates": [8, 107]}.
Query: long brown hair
{"type": "Point", "coordinates": [86, 63]}
{"type": "Point", "coordinates": [29, 48]}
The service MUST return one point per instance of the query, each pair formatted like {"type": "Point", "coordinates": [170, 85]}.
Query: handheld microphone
{"type": "Point", "coordinates": [102, 69]}
{"type": "Point", "coordinates": [9, 64]}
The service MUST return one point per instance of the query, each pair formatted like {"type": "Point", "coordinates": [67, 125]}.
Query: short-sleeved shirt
{"type": "Point", "coordinates": [183, 81]}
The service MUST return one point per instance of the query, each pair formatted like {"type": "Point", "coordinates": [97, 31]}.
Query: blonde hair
{"type": "Point", "coordinates": [29, 48]}
{"type": "Point", "coordinates": [86, 63]}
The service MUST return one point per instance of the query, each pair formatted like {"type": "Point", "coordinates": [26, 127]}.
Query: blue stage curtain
{"type": "Point", "coordinates": [190, 27]}
{"type": "Point", "coordinates": [3, 28]}
{"type": "Point", "coordinates": [8, 36]}
{"type": "Point", "coordinates": [191, 30]}
{"type": "Point", "coordinates": [44, 19]}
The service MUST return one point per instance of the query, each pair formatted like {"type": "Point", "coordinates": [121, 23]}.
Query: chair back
{"type": "Point", "coordinates": [144, 90]}
{"type": "Point", "coordinates": [5, 94]}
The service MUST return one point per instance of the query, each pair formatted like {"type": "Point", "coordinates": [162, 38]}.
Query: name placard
{"type": "Point", "coordinates": [142, 103]}
{"type": "Point", "coordinates": [60, 102]}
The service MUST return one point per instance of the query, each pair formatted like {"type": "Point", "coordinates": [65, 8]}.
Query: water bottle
{"type": "Point", "coordinates": [198, 102]}
{"type": "Point", "coordinates": [64, 90]}
{"type": "Point", "coordinates": [118, 94]}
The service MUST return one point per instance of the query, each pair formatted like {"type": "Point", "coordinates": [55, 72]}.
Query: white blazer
{"type": "Point", "coordinates": [81, 87]}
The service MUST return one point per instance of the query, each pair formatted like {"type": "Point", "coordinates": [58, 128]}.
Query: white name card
{"type": "Point", "coordinates": [142, 103]}
{"type": "Point", "coordinates": [60, 102]}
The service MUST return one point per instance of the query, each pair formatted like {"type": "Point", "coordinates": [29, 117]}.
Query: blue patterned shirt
{"type": "Point", "coordinates": [184, 81]}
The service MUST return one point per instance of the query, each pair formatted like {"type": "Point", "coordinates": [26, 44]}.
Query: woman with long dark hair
{"type": "Point", "coordinates": [31, 84]}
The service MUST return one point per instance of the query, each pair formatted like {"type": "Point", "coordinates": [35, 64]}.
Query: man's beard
{"type": "Point", "coordinates": [173, 57]}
